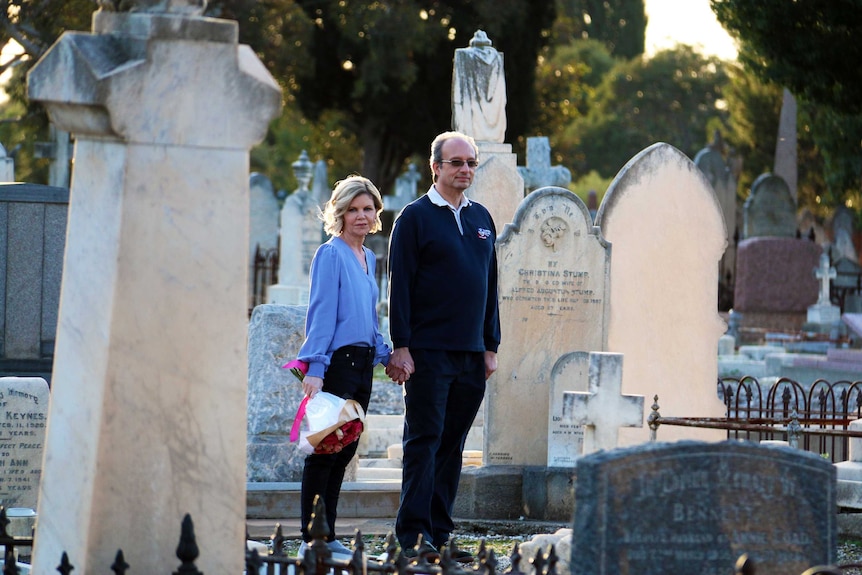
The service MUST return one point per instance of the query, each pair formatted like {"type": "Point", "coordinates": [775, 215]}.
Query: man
{"type": "Point", "coordinates": [445, 329]}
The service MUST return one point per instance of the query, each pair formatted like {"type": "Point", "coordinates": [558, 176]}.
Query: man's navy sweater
{"type": "Point", "coordinates": [443, 285]}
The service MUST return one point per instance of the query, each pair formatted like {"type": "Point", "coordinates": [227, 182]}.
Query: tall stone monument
{"type": "Point", "coordinates": [479, 110]}
{"type": "Point", "coordinates": [785, 145]}
{"type": "Point", "coordinates": [147, 421]}
{"type": "Point", "coordinates": [301, 234]}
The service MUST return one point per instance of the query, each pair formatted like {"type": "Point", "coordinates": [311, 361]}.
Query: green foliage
{"type": "Point", "coordinates": [386, 67]}
{"type": "Point", "coordinates": [566, 82]}
{"type": "Point", "coordinates": [292, 133]}
{"type": "Point", "coordinates": [619, 24]}
{"type": "Point", "coordinates": [34, 26]}
{"type": "Point", "coordinates": [812, 48]}
{"type": "Point", "coordinates": [669, 98]}
{"type": "Point", "coordinates": [591, 182]}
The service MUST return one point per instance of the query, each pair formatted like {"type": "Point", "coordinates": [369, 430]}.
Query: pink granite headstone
{"type": "Point", "coordinates": [775, 275]}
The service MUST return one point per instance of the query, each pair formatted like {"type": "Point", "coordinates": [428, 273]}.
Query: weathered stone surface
{"type": "Point", "coordinates": [694, 507]}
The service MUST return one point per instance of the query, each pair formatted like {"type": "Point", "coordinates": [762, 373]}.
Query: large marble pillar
{"type": "Point", "coordinates": [148, 412]}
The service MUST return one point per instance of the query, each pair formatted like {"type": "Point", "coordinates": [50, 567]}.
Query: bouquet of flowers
{"type": "Point", "coordinates": [332, 422]}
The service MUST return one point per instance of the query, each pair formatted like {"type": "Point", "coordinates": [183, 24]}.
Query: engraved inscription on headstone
{"type": "Point", "coordinates": [23, 417]}
{"type": "Point", "coordinates": [695, 507]}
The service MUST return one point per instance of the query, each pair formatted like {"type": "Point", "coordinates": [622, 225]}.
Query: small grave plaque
{"type": "Point", "coordinates": [23, 417]}
{"type": "Point", "coordinates": [695, 507]}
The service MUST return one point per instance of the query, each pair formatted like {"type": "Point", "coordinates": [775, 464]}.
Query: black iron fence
{"type": "Point", "coordinates": [815, 418]}
{"type": "Point", "coordinates": [318, 559]}
{"type": "Point", "coordinates": [264, 274]}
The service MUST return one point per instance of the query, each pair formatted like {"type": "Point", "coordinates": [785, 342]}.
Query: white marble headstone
{"type": "Point", "coordinates": [23, 418]}
{"type": "Point", "coordinates": [553, 278]}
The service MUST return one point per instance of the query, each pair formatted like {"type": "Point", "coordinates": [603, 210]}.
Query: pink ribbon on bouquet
{"type": "Point", "coordinates": [300, 413]}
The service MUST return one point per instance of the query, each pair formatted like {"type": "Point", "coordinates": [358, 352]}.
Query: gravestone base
{"type": "Point", "coordinates": [825, 315]}
{"type": "Point", "coordinates": [490, 492]}
{"type": "Point", "coordinates": [513, 492]}
{"type": "Point", "coordinates": [549, 493]}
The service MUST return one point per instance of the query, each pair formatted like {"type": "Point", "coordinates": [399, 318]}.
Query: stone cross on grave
{"type": "Point", "coordinates": [539, 171]}
{"type": "Point", "coordinates": [824, 272]}
{"type": "Point", "coordinates": [603, 409]}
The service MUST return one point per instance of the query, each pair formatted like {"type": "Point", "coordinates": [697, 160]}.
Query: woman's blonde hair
{"type": "Point", "coordinates": [344, 193]}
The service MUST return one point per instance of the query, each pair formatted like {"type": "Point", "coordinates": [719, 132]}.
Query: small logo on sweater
{"type": "Point", "coordinates": [483, 233]}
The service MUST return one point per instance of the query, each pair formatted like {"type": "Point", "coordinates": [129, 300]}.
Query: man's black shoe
{"type": "Point", "coordinates": [458, 555]}
{"type": "Point", "coordinates": [423, 550]}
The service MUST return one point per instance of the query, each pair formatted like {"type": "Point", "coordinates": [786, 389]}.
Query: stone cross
{"type": "Point", "coordinates": [603, 409]}
{"type": "Point", "coordinates": [405, 189]}
{"type": "Point", "coordinates": [539, 172]}
{"type": "Point", "coordinates": [824, 272]}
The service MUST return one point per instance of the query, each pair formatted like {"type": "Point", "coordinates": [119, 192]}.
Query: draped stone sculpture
{"type": "Point", "coordinates": [479, 91]}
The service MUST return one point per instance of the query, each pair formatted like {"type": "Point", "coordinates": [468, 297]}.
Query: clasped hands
{"type": "Point", "coordinates": [400, 366]}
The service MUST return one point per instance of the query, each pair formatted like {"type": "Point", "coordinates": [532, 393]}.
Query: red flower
{"type": "Point", "coordinates": [340, 438]}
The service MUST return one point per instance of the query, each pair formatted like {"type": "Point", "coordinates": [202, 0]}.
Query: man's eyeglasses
{"type": "Point", "coordinates": [460, 163]}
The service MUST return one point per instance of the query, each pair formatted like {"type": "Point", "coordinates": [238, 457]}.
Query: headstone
{"type": "Point", "coordinates": [553, 281]}
{"type": "Point", "coordinates": [711, 162]}
{"type": "Point", "coordinates": [824, 312]}
{"type": "Point", "coordinates": [263, 223]}
{"type": "Point", "coordinates": [769, 210]}
{"type": "Point", "coordinates": [694, 507]}
{"type": "Point", "coordinates": [405, 190]}
{"type": "Point", "coordinates": [148, 408]}
{"type": "Point", "coordinates": [842, 232]}
{"type": "Point", "coordinates": [320, 189]}
{"type": "Point", "coordinates": [33, 220]}
{"type": "Point", "coordinates": [479, 110]}
{"type": "Point", "coordinates": [275, 334]}
{"type": "Point", "coordinates": [667, 233]}
{"type": "Point", "coordinates": [762, 267]}
{"type": "Point", "coordinates": [479, 91]}
{"type": "Point", "coordinates": [785, 145]}
{"type": "Point", "coordinates": [539, 171]}
{"type": "Point", "coordinates": [23, 417]}
{"type": "Point", "coordinates": [301, 235]}
{"type": "Point", "coordinates": [7, 167]}
{"type": "Point", "coordinates": [603, 410]}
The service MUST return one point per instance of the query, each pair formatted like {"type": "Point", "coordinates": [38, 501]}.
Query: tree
{"type": "Point", "coordinates": [619, 24]}
{"type": "Point", "coordinates": [673, 97]}
{"type": "Point", "coordinates": [566, 83]}
{"type": "Point", "coordinates": [755, 108]}
{"type": "Point", "coordinates": [387, 66]}
{"type": "Point", "coordinates": [383, 69]}
{"type": "Point", "coordinates": [35, 27]}
{"type": "Point", "coordinates": [811, 48]}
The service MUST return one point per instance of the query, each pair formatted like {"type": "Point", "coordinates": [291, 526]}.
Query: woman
{"type": "Point", "coordinates": [342, 338]}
